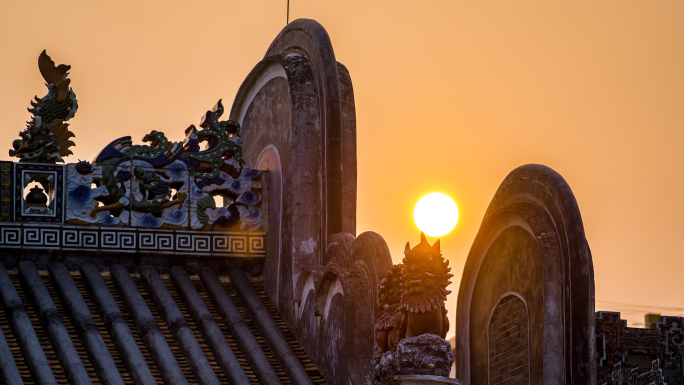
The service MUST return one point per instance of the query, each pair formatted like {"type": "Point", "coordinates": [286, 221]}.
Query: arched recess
{"type": "Point", "coordinates": [304, 289]}
{"type": "Point", "coordinates": [306, 320]}
{"type": "Point", "coordinates": [345, 309]}
{"type": "Point", "coordinates": [269, 159]}
{"type": "Point", "coordinates": [330, 308]}
{"type": "Point", "coordinates": [531, 241]}
{"type": "Point", "coordinates": [508, 341]}
{"type": "Point", "coordinates": [329, 286]}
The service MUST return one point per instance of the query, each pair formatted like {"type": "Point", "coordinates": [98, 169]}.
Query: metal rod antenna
{"type": "Point", "coordinates": [288, 12]}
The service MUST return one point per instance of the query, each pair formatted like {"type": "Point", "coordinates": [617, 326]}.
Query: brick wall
{"type": "Point", "coordinates": [509, 349]}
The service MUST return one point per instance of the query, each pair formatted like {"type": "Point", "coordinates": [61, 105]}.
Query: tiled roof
{"type": "Point", "coordinates": [64, 327]}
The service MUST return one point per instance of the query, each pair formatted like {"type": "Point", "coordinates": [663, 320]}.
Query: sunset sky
{"type": "Point", "coordinates": [450, 97]}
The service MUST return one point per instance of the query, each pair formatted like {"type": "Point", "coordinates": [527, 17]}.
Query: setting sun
{"type": "Point", "coordinates": [436, 214]}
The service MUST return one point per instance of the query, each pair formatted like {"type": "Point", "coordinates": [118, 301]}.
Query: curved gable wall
{"type": "Point", "coordinates": [297, 118]}
{"type": "Point", "coordinates": [531, 242]}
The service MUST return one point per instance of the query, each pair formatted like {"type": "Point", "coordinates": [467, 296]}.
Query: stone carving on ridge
{"type": "Point", "coordinates": [169, 184]}
{"type": "Point", "coordinates": [46, 138]}
{"type": "Point", "coordinates": [412, 321]}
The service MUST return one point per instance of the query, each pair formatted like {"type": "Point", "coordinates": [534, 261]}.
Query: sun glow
{"type": "Point", "coordinates": [436, 214]}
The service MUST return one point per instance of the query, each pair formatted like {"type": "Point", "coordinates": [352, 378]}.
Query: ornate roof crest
{"type": "Point", "coordinates": [46, 138]}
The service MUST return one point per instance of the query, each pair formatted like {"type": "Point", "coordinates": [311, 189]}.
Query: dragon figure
{"type": "Point", "coordinates": [122, 150]}
{"type": "Point", "coordinates": [411, 297]}
{"type": "Point", "coordinates": [46, 137]}
{"type": "Point", "coordinates": [425, 276]}
{"type": "Point", "coordinates": [222, 153]}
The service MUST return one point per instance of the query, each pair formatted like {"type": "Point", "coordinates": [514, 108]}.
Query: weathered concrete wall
{"type": "Point", "coordinates": [297, 116]}
{"type": "Point", "coordinates": [278, 112]}
{"type": "Point", "coordinates": [531, 244]}
{"type": "Point", "coordinates": [337, 119]}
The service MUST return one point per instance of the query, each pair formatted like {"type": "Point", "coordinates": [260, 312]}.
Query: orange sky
{"type": "Point", "coordinates": [450, 97]}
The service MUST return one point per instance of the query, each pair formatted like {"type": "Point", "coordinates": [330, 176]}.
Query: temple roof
{"type": "Point", "coordinates": [114, 327]}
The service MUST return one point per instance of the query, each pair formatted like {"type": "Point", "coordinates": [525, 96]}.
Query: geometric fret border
{"type": "Point", "coordinates": [41, 237]}
{"type": "Point", "coordinates": [131, 240]}
{"type": "Point", "coordinates": [155, 240]}
{"type": "Point", "coordinates": [10, 237]}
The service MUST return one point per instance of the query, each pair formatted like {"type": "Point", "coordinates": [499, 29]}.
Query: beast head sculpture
{"type": "Point", "coordinates": [425, 277]}
{"type": "Point", "coordinates": [411, 297]}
